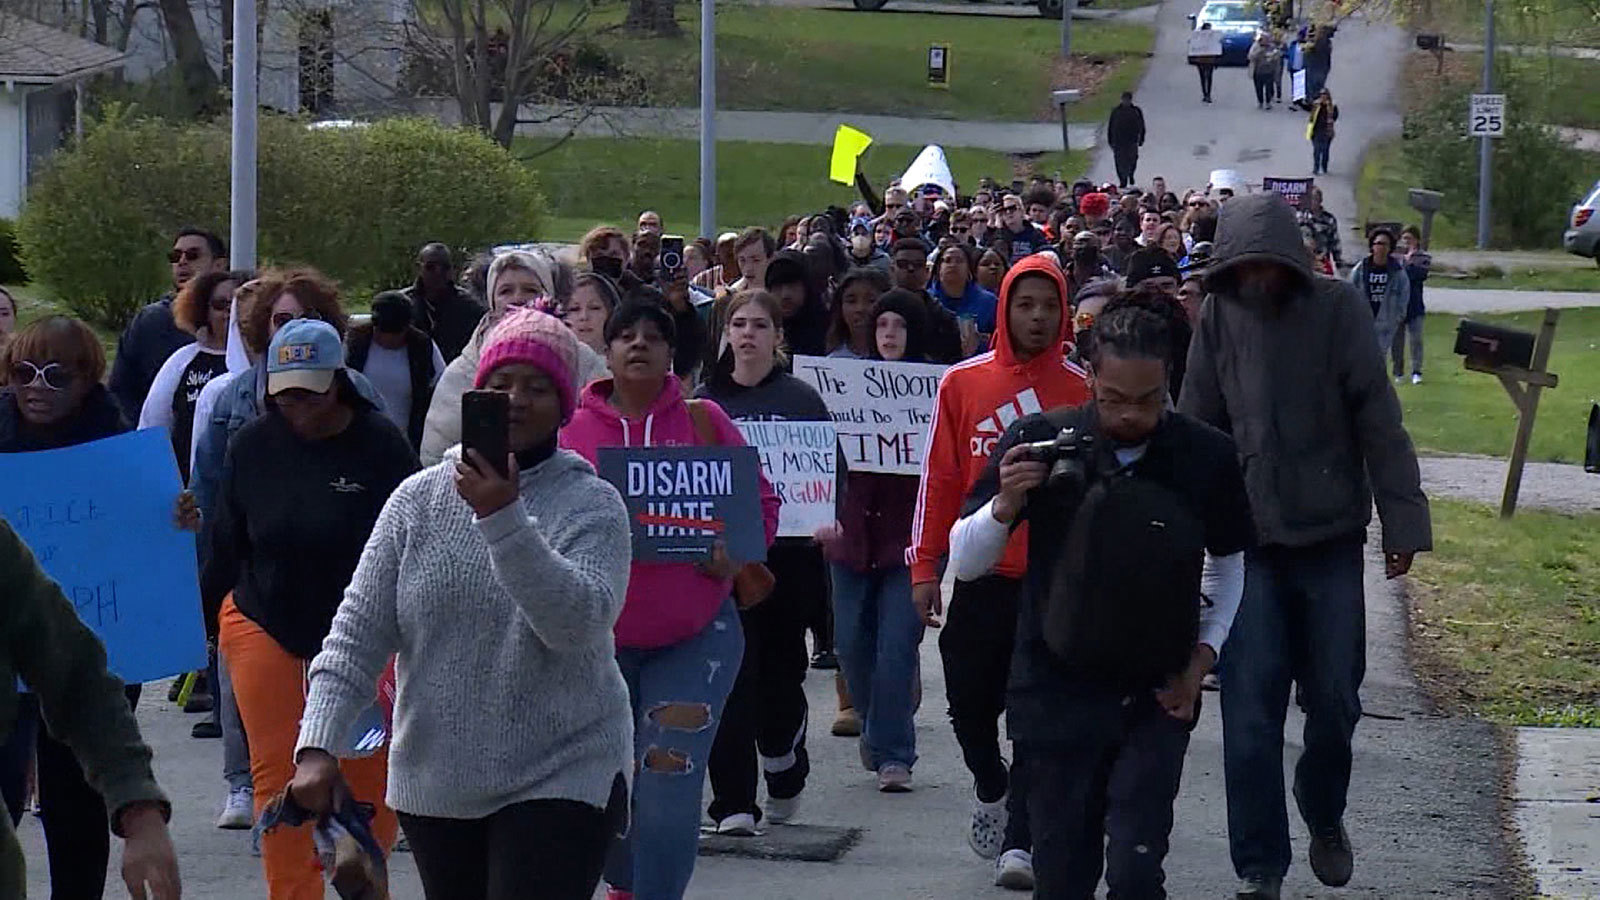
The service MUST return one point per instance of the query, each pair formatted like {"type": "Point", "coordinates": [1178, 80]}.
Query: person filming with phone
{"type": "Point", "coordinates": [497, 576]}
{"type": "Point", "coordinates": [1138, 523]}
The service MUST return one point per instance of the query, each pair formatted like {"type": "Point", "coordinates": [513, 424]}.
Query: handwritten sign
{"type": "Point", "coordinates": [681, 500]}
{"type": "Point", "coordinates": [1293, 190]}
{"type": "Point", "coordinates": [801, 461]}
{"type": "Point", "coordinates": [1205, 44]}
{"type": "Point", "coordinates": [881, 410]}
{"type": "Point", "coordinates": [99, 518]}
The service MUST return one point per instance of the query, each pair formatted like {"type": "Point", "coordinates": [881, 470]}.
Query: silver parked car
{"type": "Point", "coordinates": [1583, 231]}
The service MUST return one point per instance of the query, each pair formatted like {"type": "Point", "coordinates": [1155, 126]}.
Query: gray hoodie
{"type": "Point", "coordinates": [1298, 381]}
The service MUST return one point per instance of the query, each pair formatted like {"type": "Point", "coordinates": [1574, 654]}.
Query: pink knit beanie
{"type": "Point", "coordinates": [528, 336]}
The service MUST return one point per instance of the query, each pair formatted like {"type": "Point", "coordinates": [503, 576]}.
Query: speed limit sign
{"type": "Point", "coordinates": [1486, 117]}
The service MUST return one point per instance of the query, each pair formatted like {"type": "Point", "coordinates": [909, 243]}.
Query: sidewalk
{"type": "Point", "coordinates": [1509, 260]}
{"type": "Point", "coordinates": [1556, 811]}
{"type": "Point", "coordinates": [799, 127]}
{"type": "Point", "coordinates": [1002, 10]}
{"type": "Point", "coordinates": [1481, 479]}
{"type": "Point", "coordinates": [1570, 52]}
{"type": "Point", "coordinates": [1468, 301]}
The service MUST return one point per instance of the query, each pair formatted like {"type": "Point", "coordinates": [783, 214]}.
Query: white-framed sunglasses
{"type": "Point", "coordinates": [54, 376]}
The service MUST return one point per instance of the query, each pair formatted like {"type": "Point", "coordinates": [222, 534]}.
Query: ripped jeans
{"type": "Point", "coordinates": [678, 694]}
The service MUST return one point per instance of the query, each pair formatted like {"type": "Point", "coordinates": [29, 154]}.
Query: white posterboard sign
{"type": "Point", "coordinates": [882, 411]}
{"type": "Point", "coordinates": [1486, 116]}
{"type": "Point", "coordinates": [930, 167]}
{"type": "Point", "coordinates": [1297, 88]}
{"type": "Point", "coordinates": [1205, 43]}
{"type": "Point", "coordinates": [801, 461]}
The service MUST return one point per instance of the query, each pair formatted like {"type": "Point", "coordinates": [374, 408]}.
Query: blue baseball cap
{"type": "Point", "coordinates": [304, 354]}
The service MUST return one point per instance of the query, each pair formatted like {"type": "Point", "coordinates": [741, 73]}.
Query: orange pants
{"type": "Point", "coordinates": [269, 685]}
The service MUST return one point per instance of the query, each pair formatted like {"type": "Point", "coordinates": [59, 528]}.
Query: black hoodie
{"type": "Point", "coordinates": [805, 332]}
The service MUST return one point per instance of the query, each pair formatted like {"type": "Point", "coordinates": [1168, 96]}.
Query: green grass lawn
{"type": "Point", "coordinates": [1457, 411]}
{"type": "Point", "coordinates": [1568, 22]}
{"type": "Point", "coordinates": [773, 57]}
{"type": "Point", "coordinates": [1506, 615]}
{"type": "Point", "coordinates": [592, 180]}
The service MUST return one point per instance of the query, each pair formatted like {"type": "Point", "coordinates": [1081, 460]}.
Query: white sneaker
{"type": "Point", "coordinates": [894, 778]}
{"type": "Point", "coordinates": [1014, 870]}
{"type": "Point", "coordinates": [738, 825]}
{"type": "Point", "coordinates": [1416, 377]}
{"type": "Point", "coordinates": [239, 812]}
{"type": "Point", "coordinates": [782, 811]}
{"type": "Point", "coordinates": [988, 829]}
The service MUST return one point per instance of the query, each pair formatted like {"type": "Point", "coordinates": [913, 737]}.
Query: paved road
{"type": "Point", "coordinates": [1188, 139]}
{"type": "Point", "coordinates": [1423, 817]}
{"type": "Point", "coordinates": [799, 127]}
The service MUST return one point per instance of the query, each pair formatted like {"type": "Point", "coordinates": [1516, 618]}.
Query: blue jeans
{"type": "Point", "coordinates": [1303, 619]}
{"type": "Point", "coordinates": [677, 694]}
{"type": "Point", "coordinates": [235, 746]}
{"type": "Point", "coordinates": [1319, 154]}
{"type": "Point", "coordinates": [877, 633]}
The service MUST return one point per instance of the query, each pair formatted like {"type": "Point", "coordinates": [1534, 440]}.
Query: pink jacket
{"type": "Point", "coordinates": [667, 602]}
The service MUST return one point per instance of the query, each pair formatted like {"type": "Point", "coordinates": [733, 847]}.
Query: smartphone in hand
{"type": "Point", "coordinates": [486, 427]}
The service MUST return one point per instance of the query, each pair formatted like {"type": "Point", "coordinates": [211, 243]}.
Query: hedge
{"type": "Point", "coordinates": [354, 202]}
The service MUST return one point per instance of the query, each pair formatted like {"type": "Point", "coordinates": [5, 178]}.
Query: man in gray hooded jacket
{"type": "Point", "coordinates": [1286, 363]}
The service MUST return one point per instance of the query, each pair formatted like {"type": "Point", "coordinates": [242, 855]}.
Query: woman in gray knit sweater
{"type": "Point", "coordinates": [512, 729]}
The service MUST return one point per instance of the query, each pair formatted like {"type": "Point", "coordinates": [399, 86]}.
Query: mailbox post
{"type": "Point", "coordinates": [1502, 352]}
{"type": "Point", "coordinates": [1063, 99]}
{"type": "Point", "coordinates": [1427, 203]}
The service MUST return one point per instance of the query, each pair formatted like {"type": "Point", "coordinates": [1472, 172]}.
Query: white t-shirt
{"type": "Point", "coordinates": [390, 373]}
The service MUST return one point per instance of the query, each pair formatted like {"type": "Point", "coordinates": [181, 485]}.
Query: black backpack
{"type": "Point", "coordinates": [1123, 605]}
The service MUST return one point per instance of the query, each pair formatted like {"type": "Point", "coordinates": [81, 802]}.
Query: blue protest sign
{"type": "Point", "coordinates": [681, 500]}
{"type": "Point", "coordinates": [99, 518]}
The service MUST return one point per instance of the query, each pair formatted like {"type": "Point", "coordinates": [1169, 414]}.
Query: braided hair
{"type": "Point", "coordinates": [1144, 323]}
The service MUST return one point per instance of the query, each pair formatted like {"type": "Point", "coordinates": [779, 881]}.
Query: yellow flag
{"type": "Point", "coordinates": [848, 145]}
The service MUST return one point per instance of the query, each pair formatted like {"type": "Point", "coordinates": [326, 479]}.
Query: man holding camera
{"type": "Point", "coordinates": [1285, 362]}
{"type": "Point", "coordinates": [1138, 522]}
{"type": "Point", "coordinates": [1026, 372]}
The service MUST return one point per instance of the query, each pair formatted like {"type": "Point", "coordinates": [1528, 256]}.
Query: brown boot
{"type": "Point", "coordinates": [847, 723]}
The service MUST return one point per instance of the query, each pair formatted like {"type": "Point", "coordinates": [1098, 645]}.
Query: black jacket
{"type": "Point", "coordinates": [100, 417]}
{"type": "Point", "coordinates": [1299, 382]}
{"type": "Point", "coordinates": [450, 323]}
{"type": "Point", "coordinates": [145, 344]}
{"type": "Point", "coordinates": [1193, 460]}
{"type": "Point", "coordinates": [1125, 128]}
{"type": "Point", "coordinates": [419, 354]}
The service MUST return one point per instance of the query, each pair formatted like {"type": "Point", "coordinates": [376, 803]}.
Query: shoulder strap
{"type": "Point", "coordinates": [704, 433]}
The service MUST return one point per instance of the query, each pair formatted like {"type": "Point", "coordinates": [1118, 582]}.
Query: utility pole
{"type": "Point", "coordinates": [1486, 144]}
{"type": "Point", "coordinates": [708, 119]}
{"type": "Point", "coordinates": [1067, 6]}
{"type": "Point", "coordinates": [242, 219]}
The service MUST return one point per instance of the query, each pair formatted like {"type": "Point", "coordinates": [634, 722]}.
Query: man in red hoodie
{"type": "Point", "coordinates": [1026, 372]}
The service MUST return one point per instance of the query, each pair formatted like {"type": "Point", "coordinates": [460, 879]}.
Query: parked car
{"type": "Point", "coordinates": [1583, 233]}
{"type": "Point", "coordinates": [1238, 21]}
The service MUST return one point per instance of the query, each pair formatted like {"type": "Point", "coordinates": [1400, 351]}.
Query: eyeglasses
{"type": "Point", "coordinates": [281, 319]}
{"type": "Point", "coordinates": [190, 254]}
{"type": "Point", "coordinates": [54, 376]}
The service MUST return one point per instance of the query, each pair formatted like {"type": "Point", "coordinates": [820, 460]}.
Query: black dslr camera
{"type": "Point", "coordinates": [1068, 455]}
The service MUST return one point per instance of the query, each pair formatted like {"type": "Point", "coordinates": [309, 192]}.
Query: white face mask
{"type": "Point", "coordinates": [861, 244]}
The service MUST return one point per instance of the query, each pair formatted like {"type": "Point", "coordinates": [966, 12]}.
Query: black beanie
{"type": "Point", "coordinates": [914, 310]}
{"type": "Point", "coordinates": [1151, 262]}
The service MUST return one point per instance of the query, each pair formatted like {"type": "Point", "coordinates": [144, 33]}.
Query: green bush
{"type": "Point", "coordinates": [1536, 176]}
{"type": "Point", "coordinates": [11, 270]}
{"type": "Point", "coordinates": [355, 202]}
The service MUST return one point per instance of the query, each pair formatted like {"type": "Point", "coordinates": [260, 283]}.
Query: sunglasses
{"type": "Point", "coordinates": [52, 375]}
{"type": "Point", "coordinates": [192, 254]}
{"type": "Point", "coordinates": [961, 229]}
{"type": "Point", "coordinates": [1012, 209]}
{"type": "Point", "coordinates": [281, 319]}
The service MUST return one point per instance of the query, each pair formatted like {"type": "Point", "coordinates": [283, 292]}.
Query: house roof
{"type": "Point", "coordinates": [34, 52]}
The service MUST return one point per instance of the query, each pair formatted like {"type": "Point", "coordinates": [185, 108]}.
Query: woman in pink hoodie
{"type": "Point", "coordinates": [679, 642]}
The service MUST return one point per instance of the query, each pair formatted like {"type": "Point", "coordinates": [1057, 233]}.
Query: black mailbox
{"type": "Point", "coordinates": [1494, 346]}
{"type": "Point", "coordinates": [1429, 41]}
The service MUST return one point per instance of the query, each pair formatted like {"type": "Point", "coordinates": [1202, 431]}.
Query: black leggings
{"type": "Point", "coordinates": [554, 848]}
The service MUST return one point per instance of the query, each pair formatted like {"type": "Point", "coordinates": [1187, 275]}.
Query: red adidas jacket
{"type": "Point", "coordinates": [977, 400]}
